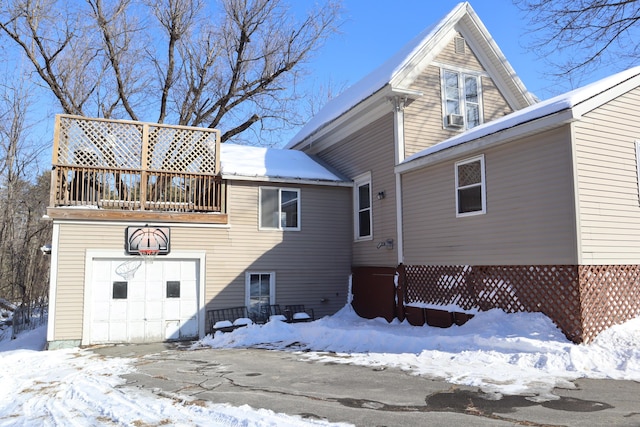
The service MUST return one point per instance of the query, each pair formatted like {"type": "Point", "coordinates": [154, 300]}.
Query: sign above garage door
{"type": "Point", "coordinates": [141, 239]}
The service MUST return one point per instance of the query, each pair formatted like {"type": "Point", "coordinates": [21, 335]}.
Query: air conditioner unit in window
{"type": "Point", "coordinates": [455, 121]}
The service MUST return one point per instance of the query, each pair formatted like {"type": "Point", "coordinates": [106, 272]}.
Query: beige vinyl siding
{"type": "Point", "coordinates": [467, 60]}
{"type": "Point", "coordinates": [493, 103]}
{"type": "Point", "coordinates": [423, 123]}
{"type": "Point", "coordinates": [530, 209]}
{"type": "Point", "coordinates": [607, 182]}
{"type": "Point", "coordinates": [371, 149]}
{"type": "Point", "coordinates": [311, 265]}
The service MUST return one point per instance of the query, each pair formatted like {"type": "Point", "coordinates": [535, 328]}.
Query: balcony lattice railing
{"type": "Point", "coordinates": [115, 164]}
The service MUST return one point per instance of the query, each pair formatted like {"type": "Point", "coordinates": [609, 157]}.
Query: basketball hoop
{"type": "Point", "coordinates": [148, 254]}
{"type": "Point", "coordinates": [127, 270]}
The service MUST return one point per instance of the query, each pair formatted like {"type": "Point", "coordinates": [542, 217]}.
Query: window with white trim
{"type": "Point", "coordinates": [260, 292]}
{"type": "Point", "coordinates": [363, 218]}
{"type": "Point", "coordinates": [461, 95]}
{"type": "Point", "coordinates": [471, 196]}
{"type": "Point", "coordinates": [279, 208]}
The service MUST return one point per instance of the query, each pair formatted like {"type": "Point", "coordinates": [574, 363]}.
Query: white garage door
{"type": "Point", "coordinates": [134, 301]}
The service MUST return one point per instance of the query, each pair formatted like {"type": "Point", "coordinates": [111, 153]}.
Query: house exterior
{"type": "Point", "coordinates": [483, 197]}
{"type": "Point", "coordinates": [541, 208]}
{"type": "Point", "coordinates": [268, 234]}
{"type": "Point", "coordinates": [402, 108]}
{"type": "Point", "coordinates": [436, 182]}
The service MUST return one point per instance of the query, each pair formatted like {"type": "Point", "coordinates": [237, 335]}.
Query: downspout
{"type": "Point", "coordinates": [398, 133]}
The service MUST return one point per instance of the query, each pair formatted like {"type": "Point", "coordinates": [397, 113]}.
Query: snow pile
{"type": "Point", "coordinates": [77, 387]}
{"type": "Point", "coordinates": [500, 353]}
{"type": "Point", "coordinates": [522, 353]}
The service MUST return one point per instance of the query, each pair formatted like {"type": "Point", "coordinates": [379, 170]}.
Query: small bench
{"type": "Point", "coordinates": [298, 313]}
{"type": "Point", "coordinates": [228, 319]}
{"type": "Point", "coordinates": [276, 314]}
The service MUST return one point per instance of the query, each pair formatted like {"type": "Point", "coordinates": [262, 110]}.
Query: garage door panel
{"type": "Point", "coordinates": [118, 331]}
{"type": "Point", "coordinates": [188, 273]}
{"type": "Point", "coordinates": [153, 330]}
{"type": "Point", "coordinates": [189, 329]}
{"type": "Point", "coordinates": [102, 291]}
{"type": "Point", "coordinates": [101, 311]}
{"type": "Point", "coordinates": [153, 310]}
{"type": "Point", "coordinates": [154, 271]}
{"type": "Point", "coordinates": [189, 290]}
{"type": "Point", "coordinates": [136, 330]}
{"type": "Point", "coordinates": [172, 309]}
{"type": "Point", "coordinates": [100, 331]}
{"type": "Point", "coordinates": [174, 271]}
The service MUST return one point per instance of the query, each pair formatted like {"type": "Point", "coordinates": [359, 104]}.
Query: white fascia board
{"type": "Point", "coordinates": [473, 28]}
{"type": "Point", "coordinates": [279, 180]}
{"type": "Point", "coordinates": [607, 95]}
{"type": "Point", "coordinates": [497, 138]}
{"type": "Point", "coordinates": [422, 59]}
{"type": "Point", "coordinates": [367, 111]}
{"type": "Point", "coordinates": [140, 223]}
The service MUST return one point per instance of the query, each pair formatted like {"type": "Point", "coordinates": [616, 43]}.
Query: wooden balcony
{"type": "Point", "coordinates": [123, 170]}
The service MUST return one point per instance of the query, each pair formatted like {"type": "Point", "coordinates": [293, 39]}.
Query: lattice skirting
{"type": "Point", "coordinates": [582, 300]}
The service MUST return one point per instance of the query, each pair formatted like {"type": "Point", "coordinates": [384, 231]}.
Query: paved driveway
{"type": "Point", "coordinates": [285, 382]}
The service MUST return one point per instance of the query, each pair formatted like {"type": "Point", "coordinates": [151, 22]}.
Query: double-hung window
{"type": "Point", "coordinates": [461, 99]}
{"type": "Point", "coordinates": [279, 208]}
{"type": "Point", "coordinates": [471, 196]}
{"type": "Point", "coordinates": [363, 223]}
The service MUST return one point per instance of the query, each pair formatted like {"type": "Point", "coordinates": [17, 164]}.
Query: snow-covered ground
{"type": "Point", "coordinates": [500, 353]}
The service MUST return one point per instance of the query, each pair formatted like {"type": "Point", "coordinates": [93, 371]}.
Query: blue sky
{"type": "Point", "coordinates": [374, 30]}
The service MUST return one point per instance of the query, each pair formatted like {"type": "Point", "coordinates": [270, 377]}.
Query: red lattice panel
{"type": "Point", "coordinates": [439, 284]}
{"type": "Point", "coordinates": [610, 296]}
{"type": "Point", "coordinates": [551, 289]}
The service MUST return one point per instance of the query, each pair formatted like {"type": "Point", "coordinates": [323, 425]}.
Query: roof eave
{"type": "Point", "coordinates": [482, 143]}
{"type": "Point", "coordinates": [361, 114]}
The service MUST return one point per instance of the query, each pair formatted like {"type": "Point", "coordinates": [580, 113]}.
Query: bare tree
{"type": "Point", "coordinates": [582, 35]}
{"type": "Point", "coordinates": [231, 65]}
{"type": "Point", "coordinates": [23, 201]}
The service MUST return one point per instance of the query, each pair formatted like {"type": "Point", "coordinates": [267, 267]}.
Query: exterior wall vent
{"type": "Point", "coordinates": [459, 45]}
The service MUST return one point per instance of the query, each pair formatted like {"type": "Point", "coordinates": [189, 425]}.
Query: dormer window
{"type": "Point", "coordinates": [461, 95]}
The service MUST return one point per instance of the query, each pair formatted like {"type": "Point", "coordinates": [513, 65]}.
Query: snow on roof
{"type": "Point", "coordinates": [254, 162]}
{"type": "Point", "coordinates": [371, 83]}
{"type": "Point", "coordinates": [559, 103]}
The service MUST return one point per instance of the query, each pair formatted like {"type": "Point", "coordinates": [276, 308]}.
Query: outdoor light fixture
{"type": "Point", "coordinates": [381, 195]}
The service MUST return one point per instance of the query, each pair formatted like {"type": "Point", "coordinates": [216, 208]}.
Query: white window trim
{"type": "Point", "coordinates": [247, 286]}
{"type": "Point", "coordinates": [463, 109]}
{"type": "Point", "coordinates": [279, 227]}
{"type": "Point", "coordinates": [360, 180]}
{"type": "Point", "coordinates": [483, 186]}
